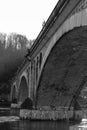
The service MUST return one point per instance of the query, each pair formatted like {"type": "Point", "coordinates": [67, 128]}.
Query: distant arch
{"type": "Point", "coordinates": [14, 94]}
{"type": "Point", "coordinates": [23, 90]}
{"type": "Point", "coordinates": [24, 74]}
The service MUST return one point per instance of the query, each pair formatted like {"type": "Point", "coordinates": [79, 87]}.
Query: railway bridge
{"type": "Point", "coordinates": [55, 69]}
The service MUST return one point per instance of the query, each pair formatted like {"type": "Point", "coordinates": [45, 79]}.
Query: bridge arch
{"type": "Point", "coordinates": [23, 89]}
{"type": "Point", "coordinates": [74, 22]}
{"type": "Point", "coordinates": [24, 74]}
{"type": "Point", "coordinates": [14, 93]}
{"type": "Point", "coordinates": [77, 20]}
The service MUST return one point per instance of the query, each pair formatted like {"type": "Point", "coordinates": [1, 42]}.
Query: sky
{"type": "Point", "coordinates": [24, 16]}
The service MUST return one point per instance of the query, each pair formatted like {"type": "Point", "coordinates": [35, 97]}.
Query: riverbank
{"type": "Point", "coordinates": [52, 114]}
{"type": "Point", "coordinates": [5, 108]}
{"type": "Point", "coordinates": [45, 115]}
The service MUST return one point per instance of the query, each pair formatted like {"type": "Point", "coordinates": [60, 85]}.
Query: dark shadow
{"type": "Point", "coordinates": [27, 104]}
{"type": "Point", "coordinates": [23, 90]}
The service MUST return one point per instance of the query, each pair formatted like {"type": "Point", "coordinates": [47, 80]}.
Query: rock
{"type": "Point", "coordinates": [14, 100]}
{"type": "Point", "coordinates": [27, 104]}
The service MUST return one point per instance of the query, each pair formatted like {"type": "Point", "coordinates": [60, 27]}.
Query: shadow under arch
{"type": "Point", "coordinates": [80, 96]}
{"type": "Point", "coordinates": [75, 21]}
{"type": "Point", "coordinates": [23, 90]}
{"type": "Point", "coordinates": [64, 69]}
{"type": "Point", "coordinates": [14, 94]}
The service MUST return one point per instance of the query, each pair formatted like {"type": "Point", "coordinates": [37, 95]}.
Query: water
{"type": "Point", "coordinates": [10, 121]}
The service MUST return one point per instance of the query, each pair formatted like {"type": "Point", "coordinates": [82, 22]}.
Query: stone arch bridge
{"type": "Point", "coordinates": [55, 69]}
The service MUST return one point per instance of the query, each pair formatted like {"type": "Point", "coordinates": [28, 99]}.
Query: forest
{"type": "Point", "coordinates": [13, 48]}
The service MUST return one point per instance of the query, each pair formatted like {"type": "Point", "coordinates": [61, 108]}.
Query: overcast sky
{"type": "Point", "coordinates": [24, 16]}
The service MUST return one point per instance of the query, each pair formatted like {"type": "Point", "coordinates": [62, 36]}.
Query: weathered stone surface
{"type": "Point", "coordinates": [64, 70]}
{"type": "Point", "coordinates": [45, 115]}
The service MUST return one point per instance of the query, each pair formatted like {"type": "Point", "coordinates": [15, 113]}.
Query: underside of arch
{"type": "Point", "coordinates": [23, 90]}
{"type": "Point", "coordinates": [64, 70]}
{"type": "Point", "coordinates": [14, 97]}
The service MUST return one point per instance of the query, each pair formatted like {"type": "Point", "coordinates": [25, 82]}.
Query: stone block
{"type": "Point", "coordinates": [72, 22]}
{"type": "Point", "coordinates": [84, 17]}
{"type": "Point", "coordinates": [79, 19]}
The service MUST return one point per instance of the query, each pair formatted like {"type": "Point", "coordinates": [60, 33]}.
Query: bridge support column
{"type": "Point", "coordinates": [30, 82]}
{"type": "Point", "coordinates": [35, 83]}
{"type": "Point", "coordinates": [11, 93]}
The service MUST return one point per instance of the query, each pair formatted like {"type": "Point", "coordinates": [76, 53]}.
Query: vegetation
{"type": "Point", "coordinates": [13, 48]}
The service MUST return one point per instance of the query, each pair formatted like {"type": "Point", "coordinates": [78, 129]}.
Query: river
{"type": "Point", "coordinates": [10, 121]}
